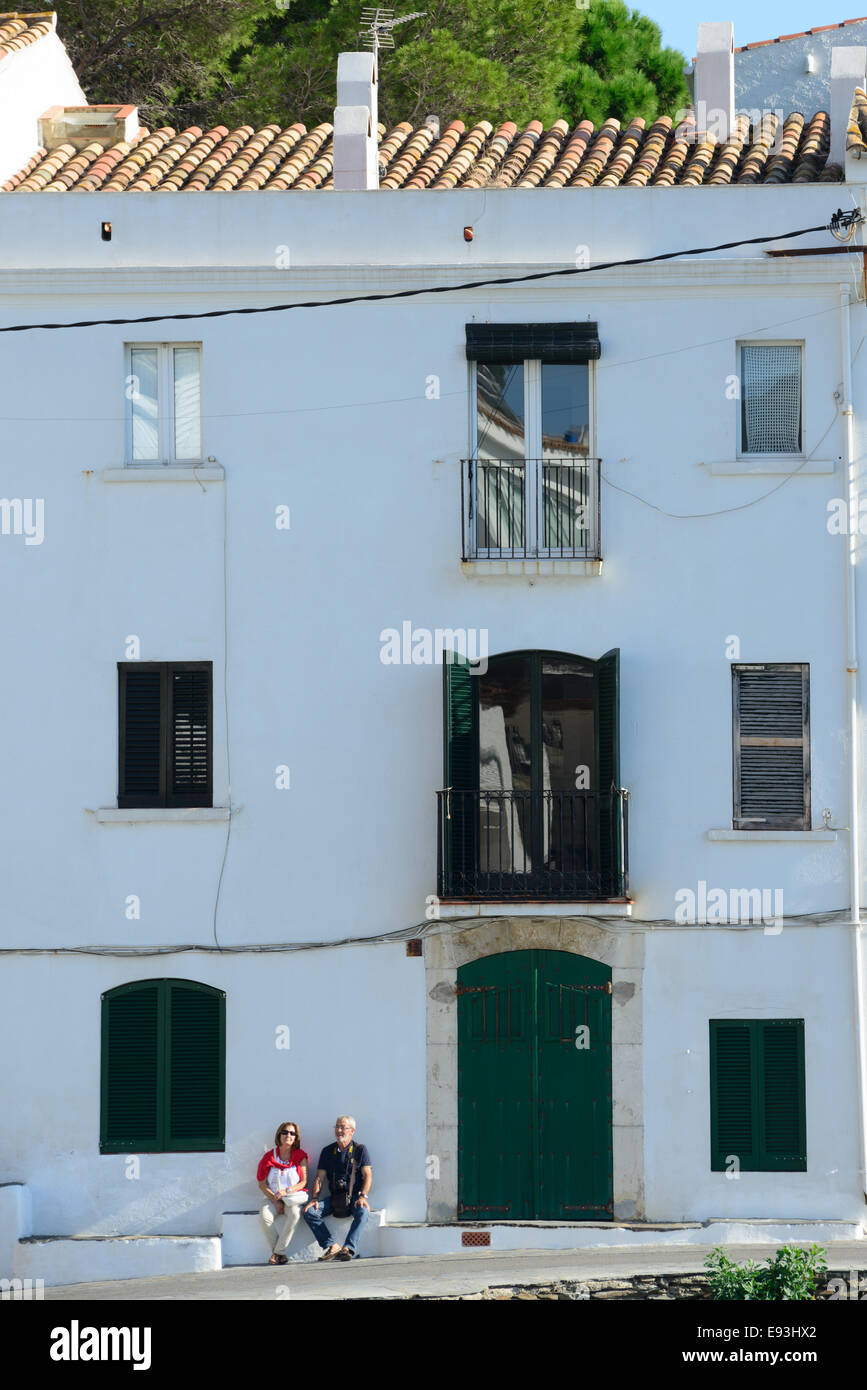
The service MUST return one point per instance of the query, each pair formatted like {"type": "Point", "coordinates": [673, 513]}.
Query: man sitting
{"type": "Point", "coordinates": [346, 1165]}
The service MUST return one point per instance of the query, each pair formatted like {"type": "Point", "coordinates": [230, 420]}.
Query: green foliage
{"type": "Point", "coordinates": [256, 61]}
{"type": "Point", "coordinates": [618, 68]}
{"type": "Point", "coordinates": [791, 1275]}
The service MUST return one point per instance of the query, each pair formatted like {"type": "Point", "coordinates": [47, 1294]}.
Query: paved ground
{"type": "Point", "coordinates": [402, 1276]}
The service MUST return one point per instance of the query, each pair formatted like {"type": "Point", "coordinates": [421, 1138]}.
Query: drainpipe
{"type": "Point", "coordinates": [852, 702]}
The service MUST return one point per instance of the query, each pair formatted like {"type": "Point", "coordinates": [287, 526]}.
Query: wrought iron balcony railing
{"type": "Point", "coordinates": [530, 508]}
{"type": "Point", "coordinates": [533, 845]}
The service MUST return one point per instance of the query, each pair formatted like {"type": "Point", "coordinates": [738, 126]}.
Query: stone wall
{"type": "Point", "coordinates": [692, 1287]}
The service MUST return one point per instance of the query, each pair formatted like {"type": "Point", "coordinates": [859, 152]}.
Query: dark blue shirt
{"type": "Point", "coordinates": [338, 1165]}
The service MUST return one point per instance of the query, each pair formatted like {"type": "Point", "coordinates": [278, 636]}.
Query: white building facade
{"type": "Point", "coordinates": [235, 548]}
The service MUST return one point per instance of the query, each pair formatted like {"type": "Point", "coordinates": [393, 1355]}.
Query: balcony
{"type": "Point", "coordinates": [533, 846]}
{"type": "Point", "coordinates": [540, 509]}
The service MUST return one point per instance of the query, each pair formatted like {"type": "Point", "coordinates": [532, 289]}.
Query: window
{"type": "Point", "coordinates": [757, 1095]}
{"type": "Point", "coordinates": [531, 481]}
{"type": "Point", "coordinates": [165, 720]}
{"type": "Point", "coordinates": [163, 1068]}
{"type": "Point", "coordinates": [771, 398]}
{"type": "Point", "coordinates": [771, 717]}
{"type": "Point", "coordinates": [164, 411]}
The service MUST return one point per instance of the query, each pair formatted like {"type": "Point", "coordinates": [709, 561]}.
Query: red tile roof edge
{"type": "Point", "coordinates": [804, 33]}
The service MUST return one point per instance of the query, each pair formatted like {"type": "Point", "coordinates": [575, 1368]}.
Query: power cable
{"type": "Point", "coordinates": [839, 219]}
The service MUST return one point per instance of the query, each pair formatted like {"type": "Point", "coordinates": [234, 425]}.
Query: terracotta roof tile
{"type": "Point", "coordinates": [272, 159]}
{"type": "Point", "coordinates": [18, 31]}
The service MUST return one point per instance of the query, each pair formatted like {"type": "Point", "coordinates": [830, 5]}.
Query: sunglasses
{"type": "Point", "coordinates": [288, 1131]}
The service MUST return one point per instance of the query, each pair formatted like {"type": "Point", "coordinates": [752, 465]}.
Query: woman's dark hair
{"type": "Point", "coordinates": [288, 1124]}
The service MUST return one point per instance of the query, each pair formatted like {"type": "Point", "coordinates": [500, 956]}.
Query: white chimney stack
{"type": "Point", "coordinates": [715, 79]}
{"type": "Point", "coordinates": [356, 140]}
{"type": "Point", "coordinates": [847, 72]}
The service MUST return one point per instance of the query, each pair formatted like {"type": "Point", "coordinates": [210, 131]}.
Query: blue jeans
{"type": "Point", "coordinates": [315, 1219]}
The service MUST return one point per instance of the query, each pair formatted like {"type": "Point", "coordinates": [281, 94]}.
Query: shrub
{"type": "Point", "coordinates": [789, 1275]}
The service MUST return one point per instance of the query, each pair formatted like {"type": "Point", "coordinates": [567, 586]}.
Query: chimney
{"type": "Point", "coordinates": [847, 72]}
{"type": "Point", "coordinates": [715, 79]}
{"type": "Point", "coordinates": [356, 139]}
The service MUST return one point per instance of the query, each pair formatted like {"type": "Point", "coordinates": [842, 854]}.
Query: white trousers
{"type": "Point", "coordinates": [278, 1229]}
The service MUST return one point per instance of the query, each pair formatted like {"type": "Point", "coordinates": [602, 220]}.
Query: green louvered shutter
{"type": "Point", "coordinates": [758, 1097]}
{"type": "Point", "coordinates": [610, 825]}
{"type": "Point", "coordinates": [132, 1073]}
{"type": "Point", "coordinates": [461, 774]}
{"type": "Point", "coordinates": [196, 1066]}
{"type": "Point", "coordinates": [783, 1089]}
{"type": "Point", "coordinates": [732, 1086]}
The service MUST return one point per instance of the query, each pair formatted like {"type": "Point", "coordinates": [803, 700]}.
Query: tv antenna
{"type": "Point", "coordinates": [377, 25]}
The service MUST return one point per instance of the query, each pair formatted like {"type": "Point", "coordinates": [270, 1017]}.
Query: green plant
{"type": "Point", "coordinates": [790, 1275]}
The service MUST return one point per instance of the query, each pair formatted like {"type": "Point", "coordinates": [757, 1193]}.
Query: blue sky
{"type": "Point", "coordinates": [753, 19]}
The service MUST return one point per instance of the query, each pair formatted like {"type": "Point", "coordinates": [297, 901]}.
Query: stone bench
{"type": "Point", "coordinates": [244, 1242]}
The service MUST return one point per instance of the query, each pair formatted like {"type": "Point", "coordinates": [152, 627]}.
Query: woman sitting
{"type": "Point", "coordinates": [282, 1176]}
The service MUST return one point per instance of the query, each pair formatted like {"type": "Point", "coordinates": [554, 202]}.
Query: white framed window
{"type": "Point", "coordinates": [772, 398]}
{"type": "Point", "coordinates": [533, 482]}
{"type": "Point", "coordinates": [163, 390]}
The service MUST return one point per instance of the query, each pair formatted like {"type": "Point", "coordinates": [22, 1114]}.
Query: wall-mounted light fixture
{"type": "Point", "coordinates": [468, 233]}
{"type": "Point", "coordinates": [106, 231]}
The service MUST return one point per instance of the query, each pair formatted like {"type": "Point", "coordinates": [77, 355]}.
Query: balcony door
{"type": "Point", "coordinates": [533, 492]}
{"type": "Point", "coordinates": [532, 778]}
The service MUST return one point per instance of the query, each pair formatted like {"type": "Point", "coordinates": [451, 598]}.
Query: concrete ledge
{"type": "Point", "coordinates": [180, 473]}
{"type": "Point", "coordinates": [799, 836]}
{"type": "Point", "coordinates": [81, 1259]}
{"type": "Point", "coordinates": [749, 466]}
{"type": "Point", "coordinates": [480, 568]}
{"type": "Point", "coordinates": [506, 908]}
{"type": "Point", "coordinates": [244, 1241]}
{"type": "Point", "coordinates": [129, 815]}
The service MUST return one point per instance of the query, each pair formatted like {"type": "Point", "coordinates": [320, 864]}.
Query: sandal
{"type": "Point", "coordinates": [276, 1260]}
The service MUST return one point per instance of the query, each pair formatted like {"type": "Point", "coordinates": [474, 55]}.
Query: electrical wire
{"type": "Point", "coordinates": [616, 925]}
{"type": "Point", "coordinates": [839, 219]}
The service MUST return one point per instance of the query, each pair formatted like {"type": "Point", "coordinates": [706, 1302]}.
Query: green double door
{"type": "Point", "coordinates": [534, 1088]}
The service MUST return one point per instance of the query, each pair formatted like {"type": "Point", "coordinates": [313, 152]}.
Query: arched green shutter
{"type": "Point", "coordinates": [163, 1068]}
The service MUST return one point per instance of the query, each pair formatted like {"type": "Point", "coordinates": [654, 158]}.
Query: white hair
{"type": "Point", "coordinates": [350, 1120]}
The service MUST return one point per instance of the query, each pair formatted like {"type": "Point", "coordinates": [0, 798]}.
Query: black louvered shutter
{"type": "Point", "coordinates": [196, 1066]}
{"type": "Point", "coordinates": [132, 1073]}
{"type": "Point", "coordinates": [758, 1095]}
{"type": "Point", "coordinates": [141, 761]}
{"type": "Point", "coordinates": [190, 736]}
{"type": "Point", "coordinates": [501, 343]}
{"type": "Point", "coordinates": [771, 707]}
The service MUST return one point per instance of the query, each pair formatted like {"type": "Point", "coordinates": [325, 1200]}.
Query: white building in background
{"type": "Point", "coordinates": [242, 787]}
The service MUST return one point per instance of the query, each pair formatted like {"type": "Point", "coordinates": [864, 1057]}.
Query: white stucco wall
{"type": "Point", "coordinates": [31, 80]}
{"type": "Point", "coordinates": [774, 76]}
{"type": "Point", "coordinates": [344, 1056]}
{"type": "Point", "coordinates": [327, 411]}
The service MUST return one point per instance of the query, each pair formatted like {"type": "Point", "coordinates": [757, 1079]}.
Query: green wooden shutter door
{"type": "Point", "coordinates": [496, 1045]}
{"type": "Point", "coordinates": [196, 1067]}
{"type": "Point", "coordinates": [460, 772]}
{"type": "Point", "coordinates": [141, 761]}
{"type": "Point", "coordinates": [610, 828]}
{"type": "Point", "coordinates": [575, 1163]}
{"type": "Point", "coordinates": [132, 1073]}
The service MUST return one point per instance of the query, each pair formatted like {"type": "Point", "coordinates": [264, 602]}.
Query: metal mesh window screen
{"type": "Point", "coordinates": [771, 399]}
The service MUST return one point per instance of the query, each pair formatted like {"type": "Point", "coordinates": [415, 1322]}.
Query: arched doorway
{"type": "Point", "coordinates": [534, 1088]}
